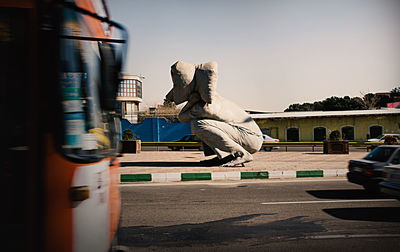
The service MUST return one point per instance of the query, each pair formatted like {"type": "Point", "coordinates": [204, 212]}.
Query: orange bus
{"type": "Point", "coordinates": [59, 68]}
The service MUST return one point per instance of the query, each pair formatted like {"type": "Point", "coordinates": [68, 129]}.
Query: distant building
{"type": "Point", "coordinates": [130, 96]}
{"type": "Point", "coordinates": [387, 94]}
{"type": "Point", "coordinates": [354, 125]}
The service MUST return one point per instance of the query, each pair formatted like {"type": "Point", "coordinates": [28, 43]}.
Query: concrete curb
{"type": "Point", "coordinates": [215, 176]}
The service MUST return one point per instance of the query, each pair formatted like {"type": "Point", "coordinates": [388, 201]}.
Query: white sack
{"type": "Point", "coordinates": [206, 80]}
{"type": "Point", "coordinates": [225, 127]}
{"type": "Point", "coordinates": [182, 74]}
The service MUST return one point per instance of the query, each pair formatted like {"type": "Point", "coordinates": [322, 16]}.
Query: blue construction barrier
{"type": "Point", "coordinates": [157, 130]}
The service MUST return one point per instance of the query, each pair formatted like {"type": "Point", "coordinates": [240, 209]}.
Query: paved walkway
{"type": "Point", "coordinates": [165, 166]}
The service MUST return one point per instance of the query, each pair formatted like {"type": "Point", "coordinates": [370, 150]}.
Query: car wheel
{"type": "Point", "coordinates": [268, 148]}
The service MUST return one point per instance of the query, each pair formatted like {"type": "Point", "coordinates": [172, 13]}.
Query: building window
{"type": "Point", "coordinates": [348, 133]}
{"type": "Point", "coordinates": [319, 133]}
{"type": "Point", "coordinates": [130, 88]}
{"type": "Point", "coordinates": [292, 135]}
{"type": "Point", "coordinates": [375, 131]}
{"type": "Point", "coordinates": [139, 89]}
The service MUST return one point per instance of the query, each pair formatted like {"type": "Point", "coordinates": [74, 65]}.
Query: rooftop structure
{"type": "Point", "coordinates": [129, 96]}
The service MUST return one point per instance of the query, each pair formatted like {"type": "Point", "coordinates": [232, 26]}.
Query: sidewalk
{"type": "Point", "coordinates": [171, 166]}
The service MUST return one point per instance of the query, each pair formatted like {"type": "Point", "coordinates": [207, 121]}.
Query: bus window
{"type": "Point", "coordinates": [89, 130]}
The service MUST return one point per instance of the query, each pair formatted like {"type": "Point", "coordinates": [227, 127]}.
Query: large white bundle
{"type": "Point", "coordinates": [182, 74]}
{"type": "Point", "coordinates": [189, 78]}
{"type": "Point", "coordinates": [220, 109]}
{"type": "Point", "coordinates": [206, 80]}
{"type": "Point", "coordinates": [221, 124]}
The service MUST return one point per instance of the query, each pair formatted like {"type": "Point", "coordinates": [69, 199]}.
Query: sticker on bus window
{"type": "Point", "coordinates": [71, 85]}
{"type": "Point", "coordinates": [89, 142]}
{"type": "Point", "coordinates": [74, 128]}
{"type": "Point", "coordinates": [72, 106]}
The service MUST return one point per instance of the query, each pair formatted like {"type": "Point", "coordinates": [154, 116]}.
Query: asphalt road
{"type": "Point", "coordinates": [295, 215]}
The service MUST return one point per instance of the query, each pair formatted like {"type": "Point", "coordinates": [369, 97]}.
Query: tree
{"type": "Point", "coordinates": [168, 103]}
{"type": "Point", "coordinates": [369, 100]}
{"type": "Point", "coordinates": [366, 101]}
{"type": "Point", "coordinates": [395, 94]}
{"type": "Point", "coordinates": [334, 103]}
{"type": "Point", "coordinates": [128, 135]}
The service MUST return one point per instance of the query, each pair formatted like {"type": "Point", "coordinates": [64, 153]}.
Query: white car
{"type": "Point", "coordinates": [368, 171]}
{"type": "Point", "coordinates": [391, 180]}
{"type": "Point", "coordinates": [268, 139]}
{"type": "Point", "coordinates": [381, 138]}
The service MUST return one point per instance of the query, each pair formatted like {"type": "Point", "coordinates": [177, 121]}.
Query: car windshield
{"type": "Point", "coordinates": [380, 154]}
{"type": "Point", "coordinates": [267, 138]}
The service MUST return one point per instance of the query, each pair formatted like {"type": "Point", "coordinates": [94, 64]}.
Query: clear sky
{"type": "Point", "coordinates": [270, 53]}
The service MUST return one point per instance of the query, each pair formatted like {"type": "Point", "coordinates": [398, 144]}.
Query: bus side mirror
{"type": "Point", "coordinates": [109, 69]}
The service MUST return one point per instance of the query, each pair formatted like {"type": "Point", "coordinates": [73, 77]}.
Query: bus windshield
{"type": "Point", "coordinates": [89, 129]}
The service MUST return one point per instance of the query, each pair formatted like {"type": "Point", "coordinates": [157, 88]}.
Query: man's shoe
{"type": "Point", "coordinates": [239, 160]}
{"type": "Point", "coordinates": [216, 161]}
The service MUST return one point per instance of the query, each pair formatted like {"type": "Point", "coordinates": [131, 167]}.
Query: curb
{"type": "Point", "coordinates": [215, 176]}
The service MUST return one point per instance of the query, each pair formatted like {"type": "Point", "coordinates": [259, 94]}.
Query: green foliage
{"type": "Point", "coordinates": [334, 103]}
{"type": "Point", "coordinates": [334, 135]}
{"type": "Point", "coordinates": [395, 93]}
{"type": "Point", "coordinates": [128, 135]}
{"type": "Point", "coordinates": [168, 103]}
{"type": "Point", "coordinates": [330, 104]}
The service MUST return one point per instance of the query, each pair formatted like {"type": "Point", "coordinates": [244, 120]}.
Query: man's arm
{"type": "Point", "coordinates": [185, 115]}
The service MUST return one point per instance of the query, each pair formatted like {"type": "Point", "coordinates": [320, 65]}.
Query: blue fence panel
{"type": "Point", "coordinates": [157, 130]}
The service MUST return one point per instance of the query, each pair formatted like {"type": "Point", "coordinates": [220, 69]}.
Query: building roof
{"type": "Point", "coordinates": [132, 77]}
{"type": "Point", "coordinates": [393, 105]}
{"type": "Point", "coordinates": [308, 114]}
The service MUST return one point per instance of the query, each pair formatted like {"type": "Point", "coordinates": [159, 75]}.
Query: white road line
{"type": "Point", "coordinates": [318, 237]}
{"type": "Point", "coordinates": [326, 201]}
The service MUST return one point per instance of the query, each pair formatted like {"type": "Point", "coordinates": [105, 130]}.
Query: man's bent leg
{"type": "Point", "coordinates": [220, 137]}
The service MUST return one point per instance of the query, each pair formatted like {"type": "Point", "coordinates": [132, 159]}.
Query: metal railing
{"type": "Point", "coordinates": [265, 144]}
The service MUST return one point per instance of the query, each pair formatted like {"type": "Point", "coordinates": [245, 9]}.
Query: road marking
{"type": "Point", "coordinates": [326, 201]}
{"type": "Point", "coordinates": [319, 237]}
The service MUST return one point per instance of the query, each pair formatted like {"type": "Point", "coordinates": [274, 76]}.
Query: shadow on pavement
{"type": "Point", "coordinates": [346, 194]}
{"type": "Point", "coordinates": [218, 232]}
{"type": "Point", "coordinates": [203, 163]}
{"type": "Point", "coordinates": [161, 164]}
{"type": "Point", "coordinates": [381, 214]}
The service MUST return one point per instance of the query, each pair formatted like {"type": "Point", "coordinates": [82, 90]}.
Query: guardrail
{"type": "Point", "coordinates": [319, 144]}
{"type": "Point", "coordinates": [265, 144]}
{"type": "Point", "coordinates": [172, 144]}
